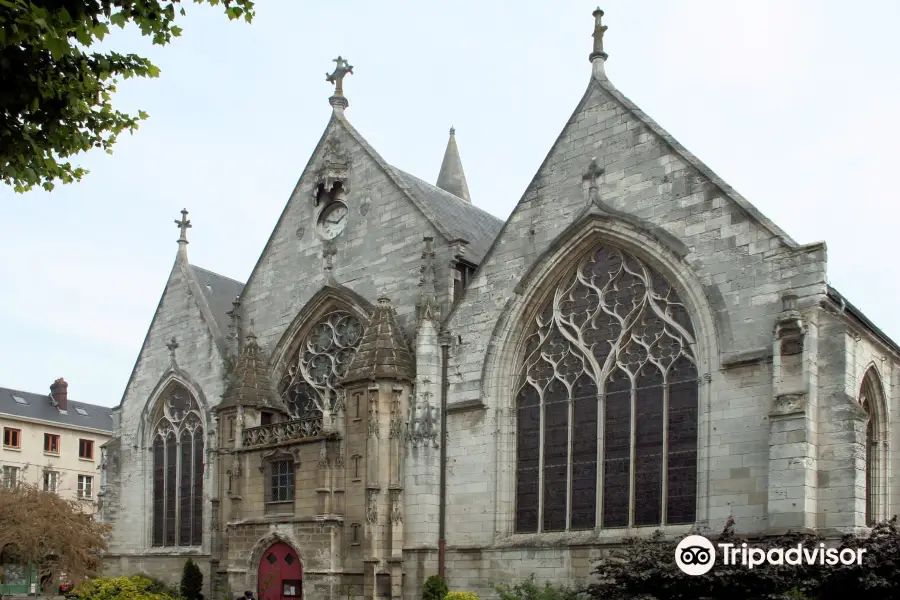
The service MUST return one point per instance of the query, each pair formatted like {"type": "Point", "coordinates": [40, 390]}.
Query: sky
{"type": "Point", "coordinates": [792, 103]}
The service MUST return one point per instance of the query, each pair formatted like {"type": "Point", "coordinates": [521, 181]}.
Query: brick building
{"type": "Point", "coordinates": [406, 385]}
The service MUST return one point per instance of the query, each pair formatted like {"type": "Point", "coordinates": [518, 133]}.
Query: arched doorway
{"type": "Point", "coordinates": [280, 574]}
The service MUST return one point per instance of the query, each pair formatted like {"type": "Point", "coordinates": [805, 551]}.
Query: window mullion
{"type": "Point", "coordinates": [540, 489]}
{"type": "Point", "coordinates": [569, 466]}
{"type": "Point", "coordinates": [631, 457]}
{"type": "Point", "coordinates": [665, 451]}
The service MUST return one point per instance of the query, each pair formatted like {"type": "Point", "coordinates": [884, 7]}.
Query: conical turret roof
{"type": "Point", "coordinates": [383, 352]}
{"type": "Point", "coordinates": [251, 385]}
{"type": "Point", "coordinates": [452, 178]}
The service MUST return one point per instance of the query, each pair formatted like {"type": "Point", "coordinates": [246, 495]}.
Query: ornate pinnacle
{"type": "Point", "coordinates": [341, 70]}
{"type": "Point", "coordinates": [599, 30]}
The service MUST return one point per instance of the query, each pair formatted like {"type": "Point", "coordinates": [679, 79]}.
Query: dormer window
{"type": "Point", "coordinates": [462, 276]}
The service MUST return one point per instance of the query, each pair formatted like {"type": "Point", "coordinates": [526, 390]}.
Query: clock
{"type": "Point", "coordinates": [332, 220]}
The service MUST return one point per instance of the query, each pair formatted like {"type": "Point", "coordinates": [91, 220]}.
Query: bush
{"type": "Point", "coordinates": [530, 590]}
{"type": "Point", "coordinates": [461, 596]}
{"type": "Point", "coordinates": [435, 588]}
{"type": "Point", "coordinates": [158, 586]}
{"type": "Point", "coordinates": [191, 581]}
{"type": "Point", "coordinates": [136, 587]}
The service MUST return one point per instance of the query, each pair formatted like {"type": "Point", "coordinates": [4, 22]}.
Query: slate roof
{"type": "Point", "coordinates": [39, 408]}
{"type": "Point", "coordinates": [219, 292]}
{"type": "Point", "coordinates": [463, 220]}
{"type": "Point", "coordinates": [251, 384]}
{"type": "Point", "coordinates": [383, 352]}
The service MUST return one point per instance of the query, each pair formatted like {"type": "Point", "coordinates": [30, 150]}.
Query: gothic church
{"type": "Point", "coordinates": [407, 385]}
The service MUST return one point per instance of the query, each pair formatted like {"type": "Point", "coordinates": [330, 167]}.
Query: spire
{"type": "Point", "coordinates": [383, 352]}
{"type": "Point", "coordinates": [598, 56]}
{"type": "Point", "coordinates": [184, 224]}
{"type": "Point", "coordinates": [341, 70]}
{"type": "Point", "coordinates": [250, 385]}
{"type": "Point", "coordinates": [452, 178]}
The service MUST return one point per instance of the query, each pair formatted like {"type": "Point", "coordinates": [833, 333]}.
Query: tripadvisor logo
{"type": "Point", "coordinates": [696, 555]}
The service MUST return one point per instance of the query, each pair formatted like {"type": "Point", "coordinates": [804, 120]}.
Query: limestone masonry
{"type": "Point", "coordinates": [406, 385]}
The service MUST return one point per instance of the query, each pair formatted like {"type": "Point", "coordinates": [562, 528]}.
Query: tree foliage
{"type": "Point", "coordinates": [136, 587]}
{"type": "Point", "coordinates": [51, 532]}
{"type": "Point", "coordinates": [646, 569]}
{"type": "Point", "coordinates": [191, 581]}
{"type": "Point", "coordinates": [461, 596]}
{"type": "Point", "coordinates": [529, 589]}
{"type": "Point", "coordinates": [56, 95]}
{"type": "Point", "coordinates": [435, 588]}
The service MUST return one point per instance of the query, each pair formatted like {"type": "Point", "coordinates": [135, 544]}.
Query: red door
{"type": "Point", "coordinates": [280, 574]}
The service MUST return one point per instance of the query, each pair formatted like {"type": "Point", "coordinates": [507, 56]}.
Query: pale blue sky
{"type": "Point", "coordinates": [793, 103]}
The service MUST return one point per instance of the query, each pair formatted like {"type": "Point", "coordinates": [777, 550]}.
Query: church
{"type": "Point", "coordinates": [408, 386]}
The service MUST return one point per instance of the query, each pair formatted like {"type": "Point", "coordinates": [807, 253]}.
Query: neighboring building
{"type": "Point", "coordinates": [53, 442]}
{"type": "Point", "coordinates": [407, 385]}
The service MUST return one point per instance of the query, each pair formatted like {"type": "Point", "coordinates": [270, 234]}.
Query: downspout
{"type": "Point", "coordinates": [442, 503]}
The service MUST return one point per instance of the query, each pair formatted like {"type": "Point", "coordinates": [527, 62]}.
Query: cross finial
{"type": "Point", "coordinates": [184, 224]}
{"type": "Point", "coordinates": [341, 70]}
{"type": "Point", "coordinates": [599, 30]}
{"type": "Point", "coordinates": [172, 346]}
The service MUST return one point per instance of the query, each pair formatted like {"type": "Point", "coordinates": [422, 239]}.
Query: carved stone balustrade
{"type": "Point", "coordinates": [288, 431]}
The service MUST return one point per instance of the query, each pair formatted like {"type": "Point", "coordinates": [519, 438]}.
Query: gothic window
{"type": "Point", "coordinates": [607, 406]}
{"type": "Point", "coordinates": [868, 399]}
{"type": "Point", "coordinates": [281, 481]}
{"type": "Point", "coordinates": [178, 471]}
{"type": "Point", "coordinates": [310, 385]}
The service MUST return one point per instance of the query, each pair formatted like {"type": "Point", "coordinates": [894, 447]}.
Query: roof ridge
{"type": "Point", "coordinates": [17, 391]}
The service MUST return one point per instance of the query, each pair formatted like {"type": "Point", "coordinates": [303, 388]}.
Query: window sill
{"type": "Point", "coordinates": [48, 453]}
{"type": "Point", "coordinates": [356, 480]}
{"type": "Point", "coordinates": [13, 448]}
{"type": "Point", "coordinates": [85, 459]}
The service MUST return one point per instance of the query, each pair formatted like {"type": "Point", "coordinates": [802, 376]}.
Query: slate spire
{"type": "Point", "coordinates": [452, 178]}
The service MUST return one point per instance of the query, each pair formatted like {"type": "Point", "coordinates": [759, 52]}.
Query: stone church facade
{"type": "Point", "coordinates": [407, 385]}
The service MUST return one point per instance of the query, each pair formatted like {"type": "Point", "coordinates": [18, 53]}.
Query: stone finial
{"type": "Point", "coordinates": [336, 77]}
{"type": "Point", "coordinates": [428, 307]}
{"type": "Point", "coordinates": [599, 30]}
{"type": "Point", "coordinates": [452, 177]}
{"type": "Point", "coordinates": [172, 346]}
{"type": "Point", "coordinates": [183, 224]}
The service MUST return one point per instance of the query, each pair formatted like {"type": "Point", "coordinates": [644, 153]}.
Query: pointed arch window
{"type": "Point", "coordinates": [311, 383]}
{"type": "Point", "coordinates": [178, 470]}
{"type": "Point", "coordinates": [870, 400]}
{"type": "Point", "coordinates": [607, 402]}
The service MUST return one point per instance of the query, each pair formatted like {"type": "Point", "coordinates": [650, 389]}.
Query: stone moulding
{"type": "Point", "coordinates": [299, 430]}
{"type": "Point", "coordinates": [788, 404]}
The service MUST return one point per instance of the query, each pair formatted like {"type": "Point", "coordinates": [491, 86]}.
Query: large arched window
{"type": "Point", "coordinates": [869, 399]}
{"type": "Point", "coordinates": [607, 402]}
{"type": "Point", "coordinates": [310, 384]}
{"type": "Point", "coordinates": [178, 470]}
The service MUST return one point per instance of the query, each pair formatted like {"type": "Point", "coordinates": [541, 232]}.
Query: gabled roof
{"type": "Point", "coordinates": [38, 407]}
{"type": "Point", "coordinates": [219, 292]}
{"type": "Point", "coordinates": [454, 218]}
{"type": "Point", "coordinates": [462, 220]}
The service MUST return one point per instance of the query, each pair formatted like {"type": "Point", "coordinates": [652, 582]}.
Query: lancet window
{"type": "Point", "coordinates": [868, 399]}
{"type": "Point", "coordinates": [178, 470]}
{"type": "Point", "coordinates": [607, 402]}
{"type": "Point", "coordinates": [311, 383]}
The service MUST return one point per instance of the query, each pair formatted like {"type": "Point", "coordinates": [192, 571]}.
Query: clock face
{"type": "Point", "coordinates": [333, 220]}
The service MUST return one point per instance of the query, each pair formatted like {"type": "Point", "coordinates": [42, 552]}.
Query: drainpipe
{"type": "Point", "coordinates": [442, 504]}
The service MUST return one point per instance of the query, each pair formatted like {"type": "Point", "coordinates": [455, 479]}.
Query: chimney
{"type": "Point", "coordinates": [59, 393]}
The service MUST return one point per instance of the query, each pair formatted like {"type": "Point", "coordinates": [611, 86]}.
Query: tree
{"type": "Point", "coordinates": [435, 588]}
{"type": "Point", "coordinates": [56, 96]}
{"type": "Point", "coordinates": [191, 581]}
{"type": "Point", "coordinates": [50, 532]}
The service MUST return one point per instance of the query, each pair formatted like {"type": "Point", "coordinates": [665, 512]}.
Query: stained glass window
{"type": "Point", "coordinates": [867, 400]}
{"type": "Point", "coordinates": [607, 403]}
{"type": "Point", "coordinates": [177, 452]}
{"type": "Point", "coordinates": [310, 384]}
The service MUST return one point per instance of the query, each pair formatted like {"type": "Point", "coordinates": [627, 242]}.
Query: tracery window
{"type": "Point", "coordinates": [178, 470]}
{"type": "Point", "coordinates": [867, 400]}
{"type": "Point", "coordinates": [607, 404]}
{"type": "Point", "coordinates": [312, 380]}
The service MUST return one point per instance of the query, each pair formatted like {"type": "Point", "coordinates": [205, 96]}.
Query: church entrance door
{"type": "Point", "coordinates": [280, 574]}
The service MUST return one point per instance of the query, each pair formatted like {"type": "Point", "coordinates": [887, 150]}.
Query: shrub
{"type": "Point", "coordinates": [530, 590]}
{"type": "Point", "coordinates": [191, 581]}
{"type": "Point", "coordinates": [158, 586]}
{"type": "Point", "coordinates": [136, 587]}
{"type": "Point", "coordinates": [435, 588]}
{"type": "Point", "coordinates": [461, 596]}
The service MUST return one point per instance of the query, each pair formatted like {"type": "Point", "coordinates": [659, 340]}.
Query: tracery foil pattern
{"type": "Point", "coordinates": [607, 402]}
{"type": "Point", "coordinates": [178, 471]}
{"type": "Point", "coordinates": [311, 384]}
